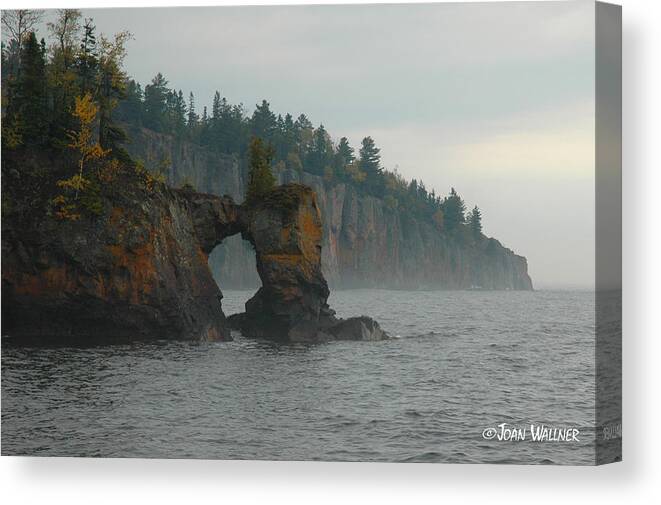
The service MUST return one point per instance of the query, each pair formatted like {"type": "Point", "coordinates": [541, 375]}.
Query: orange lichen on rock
{"type": "Point", "coordinates": [141, 271]}
{"type": "Point", "coordinates": [52, 282]}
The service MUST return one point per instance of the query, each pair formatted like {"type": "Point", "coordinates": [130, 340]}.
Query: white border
{"type": "Point", "coordinates": [91, 481]}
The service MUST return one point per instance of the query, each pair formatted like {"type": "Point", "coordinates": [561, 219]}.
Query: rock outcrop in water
{"type": "Point", "coordinates": [364, 242]}
{"type": "Point", "coordinates": [286, 231]}
{"type": "Point", "coordinates": [140, 270]}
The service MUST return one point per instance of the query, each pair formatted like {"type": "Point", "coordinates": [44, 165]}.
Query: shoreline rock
{"type": "Point", "coordinates": [285, 230]}
{"type": "Point", "coordinates": [141, 270]}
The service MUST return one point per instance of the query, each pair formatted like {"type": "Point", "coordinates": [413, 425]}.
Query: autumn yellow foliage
{"type": "Point", "coordinates": [88, 149]}
{"type": "Point", "coordinates": [83, 140]}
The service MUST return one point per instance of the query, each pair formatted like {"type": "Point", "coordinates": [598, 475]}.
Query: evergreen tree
{"type": "Point", "coordinates": [370, 159]}
{"type": "Point", "coordinates": [453, 211]}
{"type": "Point", "coordinates": [288, 135]}
{"type": "Point", "coordinates": [235, 129]}
{"type": "Point", "coordinates": [32, 89]}
{"type": "Point", "coordinates": [344, 154]}
{"type": "Point", "coordinates": [304, 132]}
{"type": "Point", "coordinates": [475, 222]}
{"type": "Point", "coordinates": [263, 122]}
{"type": "Point", "coordinates": [216, 107]}
{"type": "Point", "coordinates": [155, 103]}
{"type": "Point", "coordinates": [203, 135]}
{"type": "Point", "coordinates": [413, 188]}
{"type": "Point", "coordinates": [370, 164]}
{"type": "Point", "coordinates": [130, 109]}
{"type": "Point", "coordinates": [320, 154]}
{"type": "Point", "coordinates": [220, 135]}
{"type": "Point", "coordinates": [179, 113]}
{"type": "Point", "coordinates": [260, 177]}
{"type": "Point", "coordinates": [87, 59]}
{"type": "Point", "coordinates": [193, 118]}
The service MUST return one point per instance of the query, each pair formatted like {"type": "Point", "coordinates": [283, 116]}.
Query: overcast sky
{"type": "Point", "coordinates": [496, 100]}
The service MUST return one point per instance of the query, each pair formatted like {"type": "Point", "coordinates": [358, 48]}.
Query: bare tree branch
{"type": "Point", "coordinates": [20, 22]}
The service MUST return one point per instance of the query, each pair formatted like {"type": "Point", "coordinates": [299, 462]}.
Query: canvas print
{"type": "Point", "coordinates": [340, 233]}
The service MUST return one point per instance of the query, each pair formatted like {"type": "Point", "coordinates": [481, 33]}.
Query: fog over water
{"type": "Point", "coordinates": [496, 100]}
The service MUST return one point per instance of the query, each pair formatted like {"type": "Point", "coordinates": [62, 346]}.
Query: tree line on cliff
{"type": "Point", "coordinates": [296, 144]}
{"type": "Point", "coordinates": [72, 96]}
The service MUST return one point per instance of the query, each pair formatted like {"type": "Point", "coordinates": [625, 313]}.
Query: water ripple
{"type": "Point", "coordinates": [465, 361]}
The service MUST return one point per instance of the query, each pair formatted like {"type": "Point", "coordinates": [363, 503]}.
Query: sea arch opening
{"type": "Point", "coordinates": [233, 264]}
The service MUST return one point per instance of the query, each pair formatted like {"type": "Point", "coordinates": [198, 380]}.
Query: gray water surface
{"type": "Point", "coordinates": [462, 362]}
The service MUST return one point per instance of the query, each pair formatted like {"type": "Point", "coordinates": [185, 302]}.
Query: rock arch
{"type": "Point", "coordinates": [141, 271]}
{"type": "Point", "coordinates": [285, 229]}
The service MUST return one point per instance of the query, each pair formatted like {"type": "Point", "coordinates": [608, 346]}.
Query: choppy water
{"type": "Point", "coordinates": [465, 361]}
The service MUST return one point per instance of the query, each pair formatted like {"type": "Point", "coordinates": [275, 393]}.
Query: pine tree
{"type": "Point", "coordinates": [235, 128]}
{"type": "Point", "coordinates": [130, 109]}
{"type": "Point", "coordinates": [344, 153]}
{"type": "Point", "coordinates": [25, 115]}
{"type": "Point", "coordinates": [260, 177]}
{"type": "Point", "coordinates": [263, 122]}
{"type": "Point", "coordinates": [370, 159]}
{"type": "Point", "coordinates": [303, 123]}
{"type": "Point", "coordinates": [216, 107]}
{"type": "Point", "coordinates": [453, 211]}
{"type": "Point", "coordinates": [87, 59]}
{"type": "Point", "coordinates": [321, 151]}
{"type": "Point", "coordinates": [289, 134]}
{"type": "Point", "coordinates": [179, 112]}
{"type": "Point", "coordinates": [29, 103]}
{"type": "Point", "coordinates": [475, 222]}
{"type": "Point", "coordinates": [370, 164]}
{"type": "Point", "coordinates": [304, 132]}
{"type": "Point", "coordinates": [193, 118]}
{"type": "Point", "coordinates": [155, 103]}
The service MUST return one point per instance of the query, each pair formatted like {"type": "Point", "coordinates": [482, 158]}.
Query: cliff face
{"type": "Point", "coordinates": [364, 243]}
{"type": "Point", "coordinates": [137, 271]}
{"type": "Point", "coordinates": [233, 261]}
{"type": "Point", "coordinates": [368, 245]}
{"type": "Point", "coordinates": [140, 269]}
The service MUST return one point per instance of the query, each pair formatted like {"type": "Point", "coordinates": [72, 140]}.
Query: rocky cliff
{"type": "Point", "coordinates": [139, 269]}
{"type": "Point", "coordinates": [233, 261]}
{"type": "Point", "coordinates": [364, 244]}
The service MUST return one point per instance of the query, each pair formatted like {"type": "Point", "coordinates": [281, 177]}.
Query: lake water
{"type": "Point", "coordinates": [463, 362]}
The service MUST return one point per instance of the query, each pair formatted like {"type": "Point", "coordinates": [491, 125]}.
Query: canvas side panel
{"type": "Point", "coordinates": [608, 233]}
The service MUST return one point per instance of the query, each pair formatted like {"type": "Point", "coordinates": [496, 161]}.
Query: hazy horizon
{"type": "Point", "coordinates": [503, 112]}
